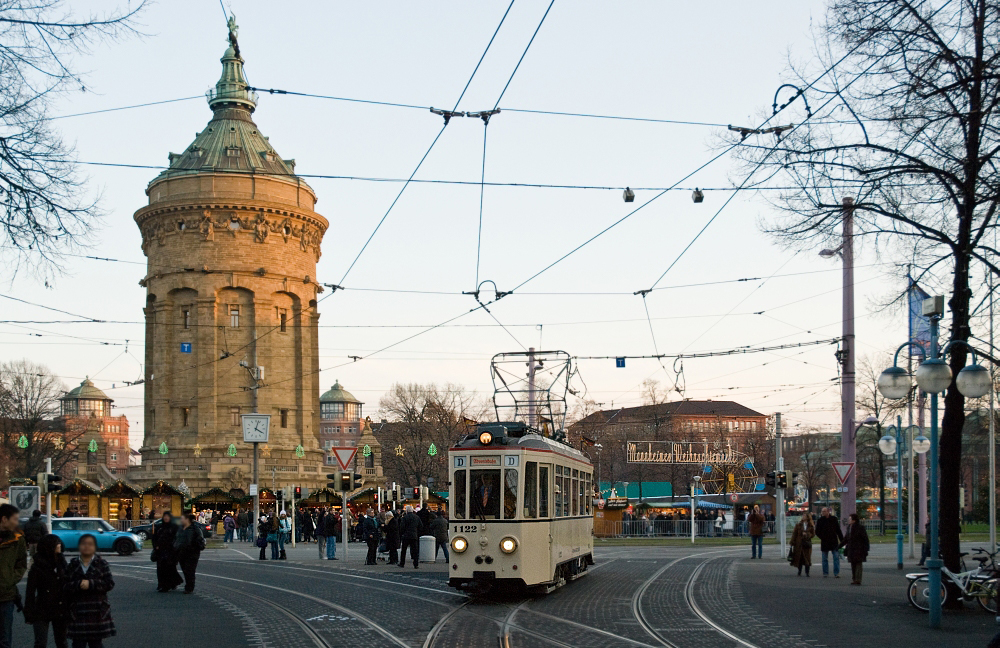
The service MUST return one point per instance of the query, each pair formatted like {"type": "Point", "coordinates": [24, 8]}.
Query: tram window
{"type": "Point", "coordinates": [510, 494]}
{"type": "Point", "coordinates": [485, 494]}
{"type": "Point", "coordinates": [587, 494]}
{"type": "Point", "coordinates": [557, 492]}
{"type": "Point", "coordinates": [531, 489]}
{"type": "Point", "coordinates": [582, 488]}
{"type": "Point", "coordinates": [573, 495]}
{"type": "Point", "coordinates": [459, 490]}
{"type": "Point", "coordinates": [576, 473]}
{"type": "Point", "coordinates": [543, 491]}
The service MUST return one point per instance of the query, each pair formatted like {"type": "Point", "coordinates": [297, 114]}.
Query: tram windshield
{"type": "Point", "coordinates": [485, 498]}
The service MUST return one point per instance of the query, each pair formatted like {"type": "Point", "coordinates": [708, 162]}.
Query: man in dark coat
{"type": "Point", "coordinates": [830, 537]}
{"type": "Point", "coordinates": [369, 534]}
{"type": "Point", "coordinates": [34, 530]}
{"type": "Point", "coordinates": [392, 536]}
{"type": "Point", "coordinates": [409, 536]}
{"type": "Point", "coordinates": [242, 521]}
{"type": "Point", "coordinates": [164, 535]}
{"type": "Point", "coordinates": [856, 548]}
{"type": "Point", "coordinates": [321, 533]}
{"type": "Point", "coordinates": [756, 521]}
{"type": "Point", "coordinates": [189, 544]}
{"type": "Point", "coordinates": [333, 528]}
{"type": "Point", "coordinates": [439, 529]}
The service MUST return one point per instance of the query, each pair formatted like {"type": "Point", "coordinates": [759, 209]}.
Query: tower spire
{"type": "Point", "coordinates": [231, 90]}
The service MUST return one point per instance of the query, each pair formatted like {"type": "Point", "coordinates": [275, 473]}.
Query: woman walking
{"type": "Point", "coordinates": [189, 545]}
{"type": "Point", "coordinates": [273, 529]}
{"type": "Point", "coordinates": [856, 547]}
{"type": "Point", "coordinates": [45, 596]}
{"type": "Point", "coordinates": [165, 555]}
{"type": "Point", "coordinates": [88, 581]}
{"type": "Point", "coordinates": [802, 543]}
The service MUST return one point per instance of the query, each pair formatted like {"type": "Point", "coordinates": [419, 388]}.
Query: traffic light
{"type": "Point", "coordinates": [782, 479]}
{"type": "Point", "coordinates": [345, 482]}
{"type": "Point", "coordinates": [795, 478]}
{"type": "Point", "coordinates": [769, 479]}
{"type": "Point", "coordinates": [298, 492]}
{"type": "Point", "coordinates": [416, 492]}
{"type": "Point", "coordinates": [48, 482]}
{"type": "Point", "coordinates": [357, 480]}
{"type": "Point", "coordinates": [280, 494]}
{"type": "Point", "coordinates": [334, 483]}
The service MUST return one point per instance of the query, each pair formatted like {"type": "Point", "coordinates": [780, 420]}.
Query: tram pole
{"type": "Point", "coordinates": [779, 498]}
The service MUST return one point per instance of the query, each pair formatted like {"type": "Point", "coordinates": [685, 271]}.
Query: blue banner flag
{"type": "Point", "coordinates": [920, 326]}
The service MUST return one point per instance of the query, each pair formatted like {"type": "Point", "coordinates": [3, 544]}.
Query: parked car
{"type": "Point", "coordinates": [145, 530]}
{"type": "Point", "coordinates": [69, 531]}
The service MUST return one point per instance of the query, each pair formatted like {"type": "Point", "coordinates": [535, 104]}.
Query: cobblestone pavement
{"type": "Point", "coordinates": [678, 597]}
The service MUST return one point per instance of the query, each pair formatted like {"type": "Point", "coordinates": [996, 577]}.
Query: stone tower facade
{"type": "Point", "coordinates": [232, 241]}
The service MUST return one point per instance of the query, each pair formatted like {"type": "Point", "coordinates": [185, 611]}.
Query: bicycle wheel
{"type": "Point", "coordinates": [988, 598]}
{"type": "Point", "coordinates": [919, 591]}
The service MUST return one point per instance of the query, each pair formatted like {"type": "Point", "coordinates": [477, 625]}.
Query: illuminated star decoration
{"type": "Point", "coordinates": [367, 451]}
{"type": "Point", "coordinates": [300, 451]}
{"type": "Point", "coordinates": [92, 446]}
{"type": "Point", "coordinates": [231, 451]}
{"type": "Point", "coordinates": [399, 451]}
{"type": "Point", "coordinates": [197, 449]}
{"type": "Point", "coordinates": [432, 450]}
{"type": "Point", "coordinates": [59, 443]}
{"type": "Point", "coordinates": [265, 450]}
{"type": "Point", "coordinates": [163, 448]}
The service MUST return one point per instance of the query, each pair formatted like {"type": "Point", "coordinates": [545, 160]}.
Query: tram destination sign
{"type": "Point", "coordinates": [683, 452]}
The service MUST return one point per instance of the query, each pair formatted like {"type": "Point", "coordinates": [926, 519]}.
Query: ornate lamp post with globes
{"type": "Point", "coordinates": [933, 377]}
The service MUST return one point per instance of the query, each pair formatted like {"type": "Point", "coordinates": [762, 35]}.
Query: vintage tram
{"type": "Point", "coordinates": [520, 505]}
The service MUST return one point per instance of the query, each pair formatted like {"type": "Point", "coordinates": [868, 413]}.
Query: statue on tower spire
{"type": "Point", "coordinates": [234, 31]}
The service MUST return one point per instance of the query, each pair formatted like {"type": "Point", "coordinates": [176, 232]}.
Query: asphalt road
{"type": "Point", "coordinates": [701, 597]}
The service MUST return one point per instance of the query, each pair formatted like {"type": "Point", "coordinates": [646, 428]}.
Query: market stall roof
{"type": "Point", "coordinates": [80, 487]}
{"type": "Point", "coordinates": [213, 495]}
{"type": "Point", "coordinates": [120, 488]}
{"type": "Point", "coordinates": [162, 488]}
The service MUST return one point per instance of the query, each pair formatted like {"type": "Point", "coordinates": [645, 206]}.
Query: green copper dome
{"type": "Point", "coordinates": [231, 140]}
{"type": "Point", "coordinates": [338, 394]}
{"type": "Point", "coordinates": [86, 391]}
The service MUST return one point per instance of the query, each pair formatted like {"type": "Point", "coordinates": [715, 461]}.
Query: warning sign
{"type": "Point", "coordinates": [843, 469]}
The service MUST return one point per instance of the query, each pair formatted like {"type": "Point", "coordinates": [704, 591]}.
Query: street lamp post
{"type": "Point", "coordinates": [933, 377]}
{"type": "Point", "coordinates": [889, 444]}
{"type": "Point", "coordinates": [694, 503]}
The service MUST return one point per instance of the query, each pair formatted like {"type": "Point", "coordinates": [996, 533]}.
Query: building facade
{"type": "Point", "coordinates": [232, 241]}
{"type": "Point", "coordinates": [340, 421]}
{"type": "Point", "coordinates": [85, 415]}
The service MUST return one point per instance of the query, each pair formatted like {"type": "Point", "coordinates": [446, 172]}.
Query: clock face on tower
{"type": "Point", "coordinates": [256, 427]}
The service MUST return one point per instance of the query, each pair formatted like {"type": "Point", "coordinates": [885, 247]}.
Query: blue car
{"type": "Point", "coordinates": [69, 531]}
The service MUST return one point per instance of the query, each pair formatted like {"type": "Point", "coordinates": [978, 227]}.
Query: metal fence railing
{"type": "Point", "coordinates": [672, 528]}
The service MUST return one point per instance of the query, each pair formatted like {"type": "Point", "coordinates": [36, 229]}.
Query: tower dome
{"type": "Point", "coordinates": [232, 240]}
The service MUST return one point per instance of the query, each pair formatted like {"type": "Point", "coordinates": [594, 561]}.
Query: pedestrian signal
{"type": "Point", "coordinates": [769, 479]}
{"type": "Point", "coordinates": [357, 480]}
{"type": "Point", "coordinates": [298, 492]}
{"type": "Point", "coordinates": [782, 479]}
{"type": "Point", "coordinates": [334, 483]}
{"type": "Point", "coordinates": [345, 482]}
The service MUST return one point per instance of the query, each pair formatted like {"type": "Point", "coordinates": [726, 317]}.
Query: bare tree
{"type": "Point", "coordinates": [418, 416]}
{"type": "Point", "coordinates": [29, 405]}
{"type": "Point", "coordinates": [812, 460]}
{"type": "Point", "coordinates": [903, 119]}
{"type": "Point", "coordinates": [44, 210]}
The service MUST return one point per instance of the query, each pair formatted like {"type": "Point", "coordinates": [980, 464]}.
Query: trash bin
{"type": "Point", "coordinates": [427, 544]}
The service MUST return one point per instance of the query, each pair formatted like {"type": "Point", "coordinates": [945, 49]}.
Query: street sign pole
{"type": "Point", "coordinates": [344, 522]}
{"type": "Point", "coordinates": [48, 497]}
{"type": "Point", "coordinates": [780, 492]}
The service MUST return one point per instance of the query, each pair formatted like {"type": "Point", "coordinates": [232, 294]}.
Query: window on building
{"type": "Point", "coordinates": [284, 418]}
{"type": "Point", "coordinates": [336, 442]}
{"type": "Point", "coordinates": [234, 416]}
{"type": "Point", "coordinates": [283, 322]}
{"type": "Point", "coordinates": [114, 456]}
{"type": "Point", "coordinates": [187, 319]}
{"type": "Point", "coordinates": [185, 416]}
{"type": "Point", "coordinates": [330, 460]}
{"type": "Point", "coordinates": [234, 317]}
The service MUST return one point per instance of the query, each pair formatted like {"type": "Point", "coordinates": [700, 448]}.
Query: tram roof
{"type": "Point", "coordinates": [515, 434]}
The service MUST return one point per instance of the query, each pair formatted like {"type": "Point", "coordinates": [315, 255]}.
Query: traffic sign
{"type": "Point", "coordinates": [843, 470]}
{"type": "Point", "coordinates": [345, 456]}
{"type": "Point", "coordinates": [620, 363]}
{"type": "Point", "coordinates": [734, 497]}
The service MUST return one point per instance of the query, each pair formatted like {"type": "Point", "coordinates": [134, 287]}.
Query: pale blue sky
{"type": "Point", "coordinates": [712, 62]}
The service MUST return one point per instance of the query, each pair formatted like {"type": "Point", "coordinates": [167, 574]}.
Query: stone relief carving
{"type": "Point", "coordinates": [236, 479]}
{"type": "Point", "coordinates": [258, 225]}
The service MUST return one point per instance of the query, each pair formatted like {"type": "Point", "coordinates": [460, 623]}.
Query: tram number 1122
{"type": "Point", "coordinates": [465, 528]}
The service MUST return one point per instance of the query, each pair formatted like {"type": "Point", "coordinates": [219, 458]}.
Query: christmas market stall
{"type": "Point", "coordinates": [162, 497]}
{"type": "Point", "coordinates": [80, 497]}
{"type": "Point", "coordinates": [120, 501]}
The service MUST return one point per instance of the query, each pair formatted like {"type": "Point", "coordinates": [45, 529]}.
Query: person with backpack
{"type": "Point", "coordinates": [189, 544]}
{"type": "Point", "coordinates": [45, 596]}
{"type": "Point", "coordinates": [229, 526]}
{"type": "Point", "coordinates": [34, 529]}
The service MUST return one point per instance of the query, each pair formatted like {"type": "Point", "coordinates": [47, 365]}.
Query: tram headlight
{"type": "Point", "coordinates": [508, 545]}
{"type": "Point", "coordinates": [486, 438]}
{"type": "Point", "coordinates": [459, 545]}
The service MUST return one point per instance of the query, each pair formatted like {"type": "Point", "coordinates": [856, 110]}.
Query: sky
{"type": "Point", "coordinates": [716, 63]}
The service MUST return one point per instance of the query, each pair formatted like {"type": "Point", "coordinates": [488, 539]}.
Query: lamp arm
{"type": "Point", "coordinates": [975, 353]}
{"type": "Point", "coordinates": [895, 357]}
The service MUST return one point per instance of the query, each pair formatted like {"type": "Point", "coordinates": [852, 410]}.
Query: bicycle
{"type": "Point", "coordinates": [981, 584]}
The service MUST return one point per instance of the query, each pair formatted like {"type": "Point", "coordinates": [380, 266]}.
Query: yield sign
{"type": "Point", "coordinates": [346, 455]}
{"type": "Point", "coordinates": [843, 470]}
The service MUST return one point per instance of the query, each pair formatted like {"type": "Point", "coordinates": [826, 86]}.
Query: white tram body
{"type": "Point", "coordinates": [520, 506]}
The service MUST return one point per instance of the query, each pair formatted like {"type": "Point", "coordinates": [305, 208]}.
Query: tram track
{"type": "Point", "coordinates": [312, 633]}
